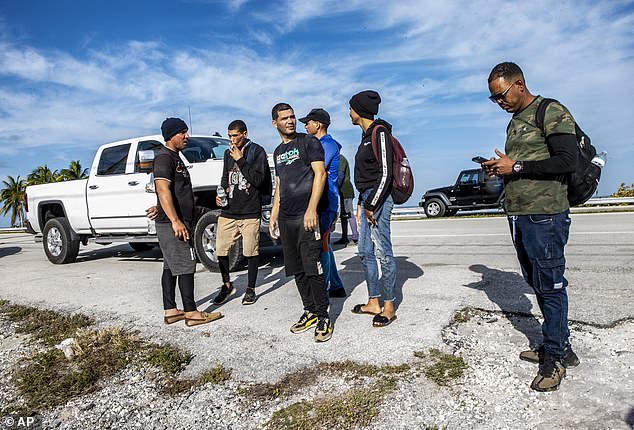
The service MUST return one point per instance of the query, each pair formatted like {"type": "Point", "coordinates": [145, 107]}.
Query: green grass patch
{"type": "Point", "coordinates": [442, 368]}
{"type": "Point", "coordinates": [168, 358]}
{"type": "Point", "coordinates": [214, 376]}
{"type": "Point", "coordinates": [462, 316]}
{"type": "Point", "coordinates": [356, 408]}
{"type": "Point", "coordinates": [308, 376]}
{"type": "Point", "coordinates": [50, 379]}
{"type": "Point", "coordinates": [47, 326]}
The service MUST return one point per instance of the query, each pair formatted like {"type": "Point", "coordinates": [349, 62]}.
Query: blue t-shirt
{"type": "Point", "coordinates": [332, 150]}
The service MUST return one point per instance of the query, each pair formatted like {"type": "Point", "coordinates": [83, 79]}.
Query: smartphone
{"type": "Point", "coordinates": [479, 159]}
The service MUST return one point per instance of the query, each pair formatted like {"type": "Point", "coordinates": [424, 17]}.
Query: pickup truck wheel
{"type": "Point", "coordinates": [434, 208]}
{"type": "Point", "coordinates": [59, 245]}
{"type": "Point", "coordinates": [205, 240]}
{"type": "Point", "coordinates": [236, 259]}
{"type": "Point", "coordinates": [141, 246]}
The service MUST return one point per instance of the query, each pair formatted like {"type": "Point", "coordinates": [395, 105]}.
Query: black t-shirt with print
{"type": "Point", "coordinates": [168, 165]}
{"type": "Point", "coordinates": [292, 165]}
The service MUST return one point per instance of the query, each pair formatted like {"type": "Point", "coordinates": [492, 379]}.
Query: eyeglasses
{"type": "Point", "coordinates": [496, 98]}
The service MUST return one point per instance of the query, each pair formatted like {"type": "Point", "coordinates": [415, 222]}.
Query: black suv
{"type": "Point", "coordinates": [472, 190]}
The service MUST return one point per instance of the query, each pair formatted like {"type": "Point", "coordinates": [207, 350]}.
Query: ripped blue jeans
{"type": "Point", "coordinates": [539, 241]}
{"type": "Point", "coordinates": [375, 242]}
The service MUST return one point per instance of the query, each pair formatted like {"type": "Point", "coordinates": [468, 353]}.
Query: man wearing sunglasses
{"type": "Point", "coordinates": [534, 168]}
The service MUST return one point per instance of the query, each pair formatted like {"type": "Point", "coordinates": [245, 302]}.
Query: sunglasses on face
{"type": "Point", "coordinates": [496, 98]}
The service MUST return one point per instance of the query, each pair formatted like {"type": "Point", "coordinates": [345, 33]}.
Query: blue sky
{"type": "Point", "coordinates": [76, 74]}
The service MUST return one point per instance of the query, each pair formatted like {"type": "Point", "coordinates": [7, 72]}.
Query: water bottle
{"type": "Point", "coordinates": [403, 172]}
{"type": "Point", "coordinates": [600, 159]}
{"type": "Point", "coordinates": [222, 195]}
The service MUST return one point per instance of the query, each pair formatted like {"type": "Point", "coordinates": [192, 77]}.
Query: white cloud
{"type": "Point", "coordinates": [430, 65]}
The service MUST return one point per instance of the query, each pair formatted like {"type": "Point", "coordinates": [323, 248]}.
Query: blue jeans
{"type": "Point", "coordinates": [375, 242]}
{"type": "Point", "coordinates": [327, 257]}
{"type": "Point", "coordinates": [539, 241]}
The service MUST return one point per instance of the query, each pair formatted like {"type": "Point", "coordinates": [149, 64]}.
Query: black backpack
{"type": "Point", "coordinates": [583, 182]}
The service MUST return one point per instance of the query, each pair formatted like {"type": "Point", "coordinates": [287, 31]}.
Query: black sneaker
{"type": "Point", "coordinates": [550, 374]}
{"type": "Point", "coordinates": [537, 356]}
{"type": "Point", "coordinates": [341, 241]}
{"type": "Point", "coordinates": [323, 332]}
{"type": "Point", "coordinates": [338, 292]}
{"type": "Point", "coordinates": [224, 293]}
{"type": "Point", "coordinates": [306, 321]}
{"type": "Point", "coordinates": [249, 297]}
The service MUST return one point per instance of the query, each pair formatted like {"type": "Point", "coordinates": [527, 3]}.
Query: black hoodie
{"type": "Point", "coordinates": [371, 172]}
{"type": "Point", "coordinates": [242, 181]}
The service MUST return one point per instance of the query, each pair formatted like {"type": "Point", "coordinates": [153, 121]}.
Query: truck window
{"type": "Point", "coordinates": [468, 178]}
{"type": "Point", "coordinates": [113, 160]}
{"type": "Point", "coordinates": [146, 145]}
{"type": "Point", "coordinates": [201, 149]}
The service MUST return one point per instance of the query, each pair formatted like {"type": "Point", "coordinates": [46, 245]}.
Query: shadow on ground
{"type": "Point", "coordinates": [271, 269]}
{"type": "Point", "coordinates": [123, 251]}
{"type": "Point", "coordinates": [629, 419]}
{"type": "Point", "coordinates": [9, 250]}
{"type": "Point", "coordinates": [352, 275]}
{"type": "Point", "coordinates": [509, 291]}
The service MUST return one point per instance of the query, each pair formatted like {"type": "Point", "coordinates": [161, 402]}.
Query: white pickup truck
{"type": "Point", "coordinates": [109, 206]}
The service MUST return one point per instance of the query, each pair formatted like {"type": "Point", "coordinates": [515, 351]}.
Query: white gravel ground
{"type": "Point", "coordinates": [492, 394]}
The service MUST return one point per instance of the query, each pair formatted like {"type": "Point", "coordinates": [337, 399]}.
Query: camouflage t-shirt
{"type": "Point", "coordinates": [524, 142]}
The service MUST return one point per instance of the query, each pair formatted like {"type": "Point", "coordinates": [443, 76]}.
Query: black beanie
{"type": "Point", "coordinates": [171, 126]}
{"type": "Point", "coordinates": [366, 103]}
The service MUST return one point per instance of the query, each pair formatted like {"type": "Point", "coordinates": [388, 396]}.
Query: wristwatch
{"type": "Point", "coordinates": [518, 166]}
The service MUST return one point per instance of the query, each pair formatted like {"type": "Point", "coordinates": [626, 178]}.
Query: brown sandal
{"type": "Point", "coordinates": [207, 318]}
{"type": "Point", "coordinates": [171, 319]}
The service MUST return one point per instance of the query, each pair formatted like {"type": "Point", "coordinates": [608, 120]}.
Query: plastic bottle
{"type": "Point", "coordinates": [600, 159]}
{"type": "Point", "coordinates": [222, 195]}
{"type": "Point", "coordinates": [402, 174]}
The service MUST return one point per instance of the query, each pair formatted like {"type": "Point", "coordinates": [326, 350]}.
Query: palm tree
{"type": "Point", "coordinates": [42, 175]}
{"type": "Point", "coordinates": [74, 171]}
{"type": "Point", "coordinates": [12, 196]}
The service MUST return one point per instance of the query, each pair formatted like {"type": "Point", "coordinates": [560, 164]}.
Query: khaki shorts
{"type": "Point", "coordinates": [230, 230]}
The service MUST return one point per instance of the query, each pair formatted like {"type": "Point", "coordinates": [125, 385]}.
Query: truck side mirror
{"type": "Point", "coordinates": [145, 161]}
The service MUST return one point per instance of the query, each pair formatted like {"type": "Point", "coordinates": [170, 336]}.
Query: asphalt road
{"type": "Point", "coordinates": [443, 265]}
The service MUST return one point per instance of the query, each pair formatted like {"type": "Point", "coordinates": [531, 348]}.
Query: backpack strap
{"type": "Point", "coordinates": [375, 145]}
{"type": "Point", "coordinates": [541, 113]}
{"type": "Point", "coordinates": [251, 152]}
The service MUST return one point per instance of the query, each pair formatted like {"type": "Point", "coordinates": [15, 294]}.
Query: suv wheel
{"type": "Point", "coordinates": [434, 208]}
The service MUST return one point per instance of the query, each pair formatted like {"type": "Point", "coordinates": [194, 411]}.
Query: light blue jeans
{"type": "Point", "coordinates": [375, 242]}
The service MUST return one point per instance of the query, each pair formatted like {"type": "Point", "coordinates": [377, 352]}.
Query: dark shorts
{"type": "Point", "coordinates": [302, 249]}
{"type": "Point", "coordinates": [178, 255]}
